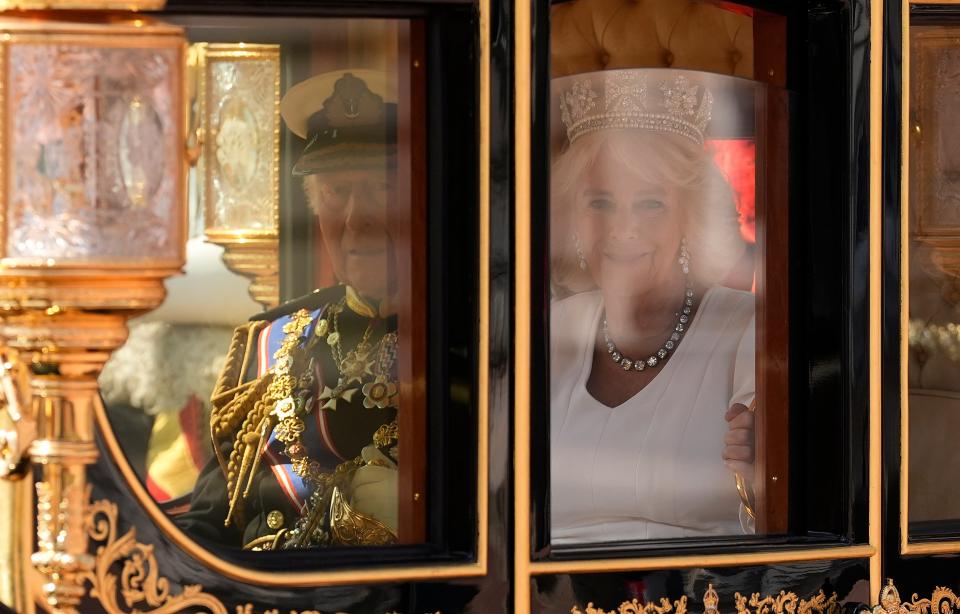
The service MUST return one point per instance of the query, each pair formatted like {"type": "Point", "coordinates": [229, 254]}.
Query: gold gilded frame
{"type": "Point", "coordinates": [782, 603]}
{"type": "Point", "coordinates": [379, 573]}
{"type": "Point", "coordinates": [525, 568]}
{"type": "Point", "coordinates": [906, 547]}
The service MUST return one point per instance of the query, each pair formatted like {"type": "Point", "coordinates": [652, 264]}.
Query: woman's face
{"type": "Point", "coordinates": [629, 229]}
{"type": "Point", "coordinates": [352, 209]}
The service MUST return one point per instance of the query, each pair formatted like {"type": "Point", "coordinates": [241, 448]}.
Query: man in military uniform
{"type": "Point", "coordinates": [303, 417]}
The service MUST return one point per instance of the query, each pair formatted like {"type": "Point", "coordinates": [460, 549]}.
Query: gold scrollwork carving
{"type": "Point", "coordinates": [351, 527]}
{"type": "Point", "coordinates": [140, 581]}
{"type": "Point", "coordinates": [942, 601]}
{"type": "Point", "coordinates": [783, 603]}
{"type": "Point", "coordinates": [787, 603]}
{"type": "Point", "coordinates": [635, 607]}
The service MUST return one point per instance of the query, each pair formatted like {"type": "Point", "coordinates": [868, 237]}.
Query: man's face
{"type": "Point", "coordinates": [352, 208]}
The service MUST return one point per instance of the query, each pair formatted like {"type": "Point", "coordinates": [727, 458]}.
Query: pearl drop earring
{"type": "Point", "coordinates": [684, 259]}
{"type": "Point", "coordinates": [580, 258]}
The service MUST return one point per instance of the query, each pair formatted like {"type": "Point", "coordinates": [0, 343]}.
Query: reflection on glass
{"type": "Point", "coordinates": [651, 349]}
{"type": "Point", "coordinates": [933, 331]}
{"type": "Point", "coordinates": [281, 430]}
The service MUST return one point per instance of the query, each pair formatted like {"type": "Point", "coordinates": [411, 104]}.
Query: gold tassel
{"type": "Point", "coordinates": [265, 429]}
{"type": "Point", "coordinates": [241, 476]}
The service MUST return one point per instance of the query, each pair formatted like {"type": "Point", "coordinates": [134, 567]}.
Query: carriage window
{"type": "Point", "coordinates": [667, 276]}
{"type": "Point", "coordinates": [932, 331]}
{"type": "Point", "coordinates": [278, 399]}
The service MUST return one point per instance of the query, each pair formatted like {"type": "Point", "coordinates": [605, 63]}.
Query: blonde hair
{"type": "Point", "coordinates": [711, 224]}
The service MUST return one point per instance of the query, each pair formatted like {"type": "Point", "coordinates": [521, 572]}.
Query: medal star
{"type": "Point", "coordinates": [330, 396]}
{"type": "Point", "coordinates": [284, 408]}
{"type": "Point", "coordinates": [282, 365]}
{"type": "Point", "coordinates": [354, 367]}
{"type": "Point", "coordinates": [380, 394]}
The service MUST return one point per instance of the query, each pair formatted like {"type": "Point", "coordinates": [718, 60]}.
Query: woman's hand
{"type": "Point", "coordinates": [374, 488]}
{"type": "Point", "coordinates": [738, 450]}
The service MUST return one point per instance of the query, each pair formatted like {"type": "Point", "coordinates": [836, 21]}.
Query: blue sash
{"type": "Point", "coordinates": [316, 437]}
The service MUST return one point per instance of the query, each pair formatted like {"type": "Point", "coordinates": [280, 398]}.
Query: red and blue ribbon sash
{"type": "Point", "coordinates": [316, 436]}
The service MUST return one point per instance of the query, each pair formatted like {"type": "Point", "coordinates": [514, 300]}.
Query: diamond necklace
{"type": "Point", "coordinates": [683, 317]}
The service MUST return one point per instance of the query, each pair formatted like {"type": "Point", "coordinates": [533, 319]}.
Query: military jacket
{"type": "Point", "coordinates": [305, 388]}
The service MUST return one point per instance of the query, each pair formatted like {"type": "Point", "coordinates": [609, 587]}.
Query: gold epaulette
{"type": "Point", "coordinates": [244, 413]}
{"type": "Point", "coordinates": [242, 344]}
{"type": "Point", "coordinates": [235, 422]}
{"type": "Point", "coordinates": [233, 400]}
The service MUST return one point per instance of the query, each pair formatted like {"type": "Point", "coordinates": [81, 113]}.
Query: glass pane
{"type": "Point", "coordinates": [263, 425]}
{"type": "Point", "coordinates": [240, 92]}
{"type": "Point", "coordinates": [933, 329]}
{"type": "Point", "coordinates": [668, 259]}
{"type": "Point", "coordinates": [88, 185]}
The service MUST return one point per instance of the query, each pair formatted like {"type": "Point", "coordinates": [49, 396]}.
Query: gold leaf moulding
{"type": "Point", "coordinates": [783, 603]}
{"type": "Point", "coordinates": [941, 601]}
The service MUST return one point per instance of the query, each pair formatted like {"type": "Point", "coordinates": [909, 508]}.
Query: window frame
{"type": "Point", "coordinates": [819, 377]}
{"type": "Point", "coordinates": [403, 562]}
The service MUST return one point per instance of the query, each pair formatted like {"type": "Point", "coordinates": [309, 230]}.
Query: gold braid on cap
{"type": "Point", "coordinates": [623, 99]}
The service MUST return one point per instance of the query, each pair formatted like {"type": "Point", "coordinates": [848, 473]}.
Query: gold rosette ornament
{"type": "Point", "coordinates": [380, 394]}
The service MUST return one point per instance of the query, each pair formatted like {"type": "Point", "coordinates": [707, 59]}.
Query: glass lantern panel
{"type": "Point", "coordinates": [242, 89]}
{"type": "Point", "coordinates": [95, 169]}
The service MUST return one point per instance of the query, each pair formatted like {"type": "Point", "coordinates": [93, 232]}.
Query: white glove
{"type": "Point", "coordinates": [374, 489]}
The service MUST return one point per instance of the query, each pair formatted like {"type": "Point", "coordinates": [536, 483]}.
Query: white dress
{"type": "Point", "coordinates": [651, 467]}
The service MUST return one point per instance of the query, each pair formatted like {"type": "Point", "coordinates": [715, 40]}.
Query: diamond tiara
{"type": "Point", "coordinates": [623, 99]}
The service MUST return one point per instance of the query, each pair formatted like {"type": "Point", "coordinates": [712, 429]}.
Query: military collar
{"type": "Point", "coordinates": [366, 307]}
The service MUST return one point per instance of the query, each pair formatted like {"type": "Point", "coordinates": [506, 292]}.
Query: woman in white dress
{"type": "Point", "coordinates": [652, 360]}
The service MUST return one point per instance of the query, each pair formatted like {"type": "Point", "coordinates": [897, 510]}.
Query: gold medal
{"type": "Point", "coordinates": [284, 408]}
{"type": "Point", "coordinates": [379, 393]}
{"type": "Point", "coordinates": [354, 367]}
{"type": "Point", "coordinates": [289, 430]}
{"type": "Point", "coordinates": [322, 327]}
{"type": "Point", "coordinates": [275, 519]}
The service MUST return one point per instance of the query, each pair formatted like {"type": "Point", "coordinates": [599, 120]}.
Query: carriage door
{"type": "Point", "coordinates": [920, 530]}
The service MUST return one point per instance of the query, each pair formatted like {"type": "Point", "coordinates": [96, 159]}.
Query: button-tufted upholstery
{"type": "Point", "coordinates": [588, 35]}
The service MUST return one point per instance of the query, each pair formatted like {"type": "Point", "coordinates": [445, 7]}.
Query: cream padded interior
{"type": "Point", "coordinates": [588, 35]}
